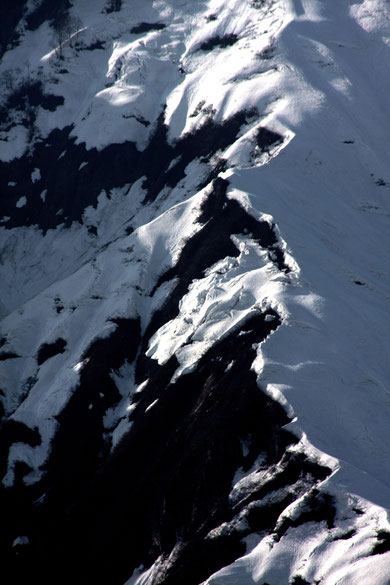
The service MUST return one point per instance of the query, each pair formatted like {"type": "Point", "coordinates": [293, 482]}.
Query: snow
{"type": "Point", "coordinates": [316, 554]}
{"type": "Point", "coordinates": [36, 175]}
{"type": "Point", "coordinates": [215, 305]}
{"type": "Point", "coordinates": [325, 88]}
{"type": "Point", "coordinates": [104, 288]}
{"type": "Point", "coordinates": [116, 419]}
{"type": "Point", "coordinates": [328, 104]}
{"type": "Point", "coordinates": [21, 202]}
{"type": "Point", "coordinates": [212, 77]}
{"type": "Point", "coordinates": [344, 378]}
{"type": "Point", "coordinates": [108, 90]}
{"type": "Point", "coordinates": [21, 541]}
{"type": "Point", "coordinates": [14, 145]}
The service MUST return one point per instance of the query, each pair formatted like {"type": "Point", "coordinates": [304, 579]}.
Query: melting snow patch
{"type": "Point", "coordinates": [21, 202]}
{"type": "Point", "coordinates": [36, 175]}
{"type": "Point", "coordinates": [21, 541]}
{"type": "Point", "coordinates": [120, 430]}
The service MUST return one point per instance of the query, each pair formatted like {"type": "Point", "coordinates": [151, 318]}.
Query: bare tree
{"type": "Point", "coordinates": [66, 30]}
{"type": "Point", "coordinates": [59, 37]}
{"type": "Point", "coordinates": [114, 6]}
{"type": "Point", "coordinates": [77, 26]}
{"type": "Point", "coordinates": [72, 25]}
{"type": "Point", "coordinates": [7, 80]}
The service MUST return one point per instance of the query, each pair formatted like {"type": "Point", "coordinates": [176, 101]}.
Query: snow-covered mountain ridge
{"type": "Point", "coordinates": [194, 290]}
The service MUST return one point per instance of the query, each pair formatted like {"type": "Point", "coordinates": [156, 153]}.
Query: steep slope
{"type": "Point", "coordinates": [194, 284]}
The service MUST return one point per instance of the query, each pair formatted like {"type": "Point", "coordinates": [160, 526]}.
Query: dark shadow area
{"type": "Point", "coordinates": [47, 10]}
{"type": "Point", "coordinates": [265, 139]}
{"type": "Point", "coordinates": [218, 42]}
{"type": "Point", "coordinates": [100, 45]}
{"type": "Point", "coordinates": [23, 101]}
{"type": "Point", "coordinates": [170, 477]}
{"type": "Point", "coordinates": [203, 143]}
{"type": "Point", "coordinates": [11, 13]}
{"type": "Point", "coordinates": [318, 507]}
{"type": "Point", "coordinates": [167, 484]}
{"type": "Point", "coordinates": [144, 27]}
{"type": "Point", "coordinates": [48, 350]}
{"type": "Point", "coordinates": [34, 92]}
{"type": "Point", "coordinates": [8, 355]}
{"type": "Point", "coordinates": [383, 543]}
{"type": "Point", "coordinates": [69, 190]}
{"type": "Point", "coordinates": [221, 218]}
{"type": "Point", "coordinates": [12, 431]}
{"type": "Point", "coordinates": [77, 451]}
{"type": "Point", "coordinates": [113, 6]}
{"type": "Point", "coordinates": [298, 580]}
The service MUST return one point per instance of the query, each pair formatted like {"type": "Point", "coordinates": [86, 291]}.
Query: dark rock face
{"type": "Point", "coordinates": [145, 27]}
{"type": "Point", "coordinates": [26, 98]}
{"type": "Point", "coordinates": [15, 508]}
{"type": "Point", "coordinates": [48, 350]}
{"type": "Point", "coordinates": [164, 495]}
{"type": "Point", "coordinates": [8, 355]}
{"type": "Point", "coordinates": [203, 143]}
{"type": "Point", "coordinates": [219, 42]}
{"type": "Point", "coordinates": [10, 14]}
{"type": "Point", "coordinates": [166, 487]}
{"type": "Point", "coordinates": [221, 217]}
{"type": "Point", "coordinates": [147, 467]}
{"type": "Point", "coordinates": [180, 493]}
{"type": "Point", "coordinates": [383, 543]}
{"type": "Point", "coordinates": [267, 138]}
{"type": "Point", "coordinates": [113, 6]}
{"type": "Point", "coordinates": [15, 432]}
{"type": "Point", "coordinates": [69, 190]}
{"type": "Point", "coordinates": [47, 10]}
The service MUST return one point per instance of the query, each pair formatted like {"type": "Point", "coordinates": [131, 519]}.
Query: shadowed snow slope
{"type": "Point", "coordinates": [194, 285]}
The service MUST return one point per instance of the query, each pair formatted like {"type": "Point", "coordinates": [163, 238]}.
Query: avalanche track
{"type": "Point", "coordinates": [194, 228]}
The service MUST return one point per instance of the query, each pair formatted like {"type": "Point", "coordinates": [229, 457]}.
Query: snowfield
{"type": "Point", "coordinates": [315, 74]}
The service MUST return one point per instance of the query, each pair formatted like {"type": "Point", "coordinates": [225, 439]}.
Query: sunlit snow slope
{"type": "Point", "coordinates": [195, 292]}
